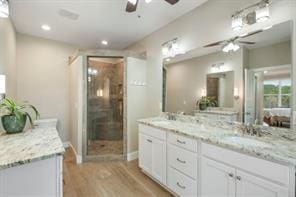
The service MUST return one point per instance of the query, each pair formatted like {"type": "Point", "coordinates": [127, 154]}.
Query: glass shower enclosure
{"type": "Point", "coordinates": [105, 99]}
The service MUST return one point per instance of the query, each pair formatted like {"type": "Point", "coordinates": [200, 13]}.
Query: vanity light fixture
{"type": "Point", "coordinates": [203, 92]}
{"type": "Point", "coordinates": [236, 94]}
{"type": "Point", "coordinates": [4, 9]}
{"type": "Point", "coordinates": [237, 23]}
{"type": "Point", "coordinates": [250, 15]}
{"type": "Point", "coordinates": [171, 48]}
{"type": "Point", "coordinates": [262, 13]}
{"type": "Point", "coordinates": [217, 66]}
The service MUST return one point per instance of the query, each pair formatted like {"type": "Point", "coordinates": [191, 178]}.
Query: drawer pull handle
{"type": "Point", "coordinates": [231, 175]}
{"type": "Point", "coordinates": [181, 161]}
{"type": "Point", "coordinates": [239, 178]}
{"type": "Point", "coordinates": [181, 142]}
{"type": "Point", "coordinates": [149, 141]}
{"type": "Point", "coordinates": [181, 186]}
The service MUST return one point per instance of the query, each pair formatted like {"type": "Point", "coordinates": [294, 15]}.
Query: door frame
{"type": "Point", "coordinates": [86, 54]}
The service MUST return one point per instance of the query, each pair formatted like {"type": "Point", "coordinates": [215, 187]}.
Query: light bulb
{"type": "Point", "coordinates": [262, 13]}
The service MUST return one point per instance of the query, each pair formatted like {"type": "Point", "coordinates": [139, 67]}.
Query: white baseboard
{"type": "Point", "coordinates": [68, 144]}
{"type": "Point", "coordinates": [132, 156]}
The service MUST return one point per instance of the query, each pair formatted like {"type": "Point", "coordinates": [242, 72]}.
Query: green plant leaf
{"type": "Point", "coordinates": [30, 119]}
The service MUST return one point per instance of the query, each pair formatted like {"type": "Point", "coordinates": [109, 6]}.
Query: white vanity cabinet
{"type": "Point", "coordinates": [227, 173]}
{"type": "Point", "coordinates": [190, 167]}
{"type": "Point", "coordinates": [152, 152]}
{"type": "Point", "coordinates": [42, 178]}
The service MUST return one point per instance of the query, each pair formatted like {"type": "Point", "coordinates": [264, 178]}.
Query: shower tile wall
{"type": "Point", "coordinates": [105, 108]}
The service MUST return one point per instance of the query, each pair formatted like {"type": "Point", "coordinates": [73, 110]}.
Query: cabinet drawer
{"type": "Point", "coordinates": [183, 160]}
{"type": "Point", "coordinates": [181, 184]}
{"type": "Point", "coordinates": [151, 131]}
{"type": "Point", "coordinates": [263, 168]}
{"type": "Point", "coordinates": [184, 142]}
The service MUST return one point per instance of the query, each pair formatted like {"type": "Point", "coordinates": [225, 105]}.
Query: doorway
{"type": "Point", "coordinates": [105, 106]}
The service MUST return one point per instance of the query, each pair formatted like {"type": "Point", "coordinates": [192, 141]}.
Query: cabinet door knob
{"type": "Point", "coordinates": [181, 142]}
{"type": "Point", "coordinates": [239, 178]}
{"type": "Point", "coordinates": [149, 141]}
{"type": "Point", "coordinates": [181, 186]}
{"type": "Point", "coordinates": [181, 161]}
{"type": "Point", "coordinates": [231, 175]}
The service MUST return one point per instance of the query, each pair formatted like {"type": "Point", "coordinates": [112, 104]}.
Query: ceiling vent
{"type": "Point", "coordinates": [68, 14]}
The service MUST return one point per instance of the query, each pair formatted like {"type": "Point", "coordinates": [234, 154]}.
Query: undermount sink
{"type": "Point", "coordinates": [247, 141]}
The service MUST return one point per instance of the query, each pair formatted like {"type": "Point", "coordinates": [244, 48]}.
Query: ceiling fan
{"type": "Point", "coordinates": [132, 4]}
{"type": "Point", "coordinates": [233, 44]}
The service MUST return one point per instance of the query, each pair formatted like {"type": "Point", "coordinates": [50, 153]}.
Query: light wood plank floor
{"type": "Point", "coordinates": [116, 178]}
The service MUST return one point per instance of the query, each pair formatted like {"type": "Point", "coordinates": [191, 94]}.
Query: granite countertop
{"type": "Point", "coordinates": [29, 146]}
{"type": "Point", "coordinates": [270, 147]}
{"type": "Point", "coordinates": [216, 112]}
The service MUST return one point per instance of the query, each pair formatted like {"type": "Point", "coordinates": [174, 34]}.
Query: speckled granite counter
{"type": "Point", "coordinates": [32, 145]}
{"type": "Point", "coordinates": [278, 149]}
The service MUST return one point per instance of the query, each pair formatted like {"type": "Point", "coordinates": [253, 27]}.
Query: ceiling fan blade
{"type": "Point", "coordinates": [215, 44]}
{"type": "Point", "coordinates": [246, 42]}
{"type": "Point", "coordinates": [252, 33]}
{"type": "Point", "coordinates": [130, 7]}
{"type": "Point", "coordinates": [172, 2]}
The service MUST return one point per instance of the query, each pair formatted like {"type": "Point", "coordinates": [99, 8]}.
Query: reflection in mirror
{"type": "Point", "coordinates": [251, 82]}
{"type": "Point", "coordinates": [268, 80]}
{"type": "Point", "coordinates": [220, 88]}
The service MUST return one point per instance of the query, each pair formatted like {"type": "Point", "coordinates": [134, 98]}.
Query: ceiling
{"type": "Point", "coordinates": [98, 20]}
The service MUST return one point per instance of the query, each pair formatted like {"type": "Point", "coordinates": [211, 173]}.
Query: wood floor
{"type": "Point", "coordinates": [116, 178]}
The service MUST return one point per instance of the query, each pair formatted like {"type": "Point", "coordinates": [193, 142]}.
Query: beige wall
{"type": "Point", "coordinates": [272, 55]}
{"type": "Point", "coordinates": [75, 102]}
{"type": "Point", "coordinates": [8, 55]}
{"type": "Point", "coordinates": [206, 24]}
{"type": "Point", "coordinates": [186, 79]}
{"type": "Point", "coordinates": [43, 77]}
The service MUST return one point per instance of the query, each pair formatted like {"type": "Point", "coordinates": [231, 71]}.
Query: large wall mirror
{"type": "Point", "coordinates": [247, 77]}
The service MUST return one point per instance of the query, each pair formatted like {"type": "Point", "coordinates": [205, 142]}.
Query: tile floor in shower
{"type": "Point", "coordinates": [104, 147]}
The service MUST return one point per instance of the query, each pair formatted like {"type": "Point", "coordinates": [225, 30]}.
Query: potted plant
{"type": "Point", "coordinates": [14, 116]}
{"type": "Point", "coordinates": [206, 101]}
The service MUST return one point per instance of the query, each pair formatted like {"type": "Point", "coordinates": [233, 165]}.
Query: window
{"type": "Point", "coordinates": [277, 93]}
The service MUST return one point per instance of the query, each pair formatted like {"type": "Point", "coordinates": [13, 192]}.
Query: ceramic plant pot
{"type": "Point", "coordinates": [13, 125]}
{"type": "Point", "coordinates": [202, 106]}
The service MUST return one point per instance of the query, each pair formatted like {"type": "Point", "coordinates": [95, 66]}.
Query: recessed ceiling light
{"type": "Point", "coordinates": [148, 1]}
{"type": "Point", "coordinates": [104, 42]}
{"type": "Point", "coordinates": [46, 27]}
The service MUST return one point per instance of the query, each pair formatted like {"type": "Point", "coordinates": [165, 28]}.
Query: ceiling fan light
{"type": "Point", "coordinates": [237, 23]}
{"type": "Point", "coordinates": [262, 13]}
{"type": "Point", "coordinates": [4, 9]}
{"type": "Point", "coordinates": [134, 2]}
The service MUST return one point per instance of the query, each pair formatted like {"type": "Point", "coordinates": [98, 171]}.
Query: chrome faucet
{"type": "Point", "coordinates": [172, 116]}
{"type": "Point", "coordinates": [251, 130]}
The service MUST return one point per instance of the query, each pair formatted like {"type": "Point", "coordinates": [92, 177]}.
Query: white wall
{"type": "Point", "coordinates": [208, 23]}
{"type": "Point", "coordinates": [136, 101]}
{"type": "Point", "coordinates": [8, 55]}
{"type": "Point", "coordinates": [186, 79]}
{"type": "Point", "coordinates": [43, 77]}
{"type": "Point", "coordinates": [75, 109]}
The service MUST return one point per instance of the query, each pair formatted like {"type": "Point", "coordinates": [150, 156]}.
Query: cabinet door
{"type": "Point", "coordinates": [249, 185]}
{"type": "Point", "coordinates": [159, 160]}
{"type": "Point", "coordinates": [145, 152]}
{"type": "Point", "coordinates": [217, 180]}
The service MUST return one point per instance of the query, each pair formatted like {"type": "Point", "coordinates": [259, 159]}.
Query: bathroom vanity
{"type": "Point", "coordinates": [197, 159]}
{"type": "Point", "coordinates": [31, 163]}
